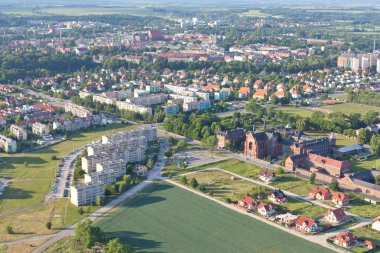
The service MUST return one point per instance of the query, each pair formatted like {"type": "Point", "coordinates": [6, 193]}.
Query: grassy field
{"type": "Point", "coordinates": [165, 218]}
{"type": "Point", "coordinates": [348, 108]}
{"type": "Point", "coordinates": [340, 141]}
{"type": "Point", "coordinates": [362, 208]}
{"type": "Point", "coordinates": [233, 165]}
{"type": "Point", "coordinates": [294, 110]}
{"type": "Point", "coordinates": [29, 185]}
{"type": "Point", "coordinates": [293, 184]}
{"type": "Point", "coordinates": [364, 165]}
{"type": "Point", "coordinates": [258, 14]}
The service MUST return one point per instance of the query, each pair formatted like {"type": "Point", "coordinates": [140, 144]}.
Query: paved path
{"type": "Point", "coordinates": [313, 239]}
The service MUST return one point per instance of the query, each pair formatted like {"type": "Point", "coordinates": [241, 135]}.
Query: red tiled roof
{"type": "Point", "coordinates": [339, 196]}
{"type": "Point", "coordinates": [244, 90]}
{"type": "Point", "coordinates": [328, 161]}
{"type": "Point", "coordinates": [323, 191]}
{"type": "Point", "coordinates": [308, 221]}
{"type": "Point", "coordinates": [248, 200]}
{"type": "Point", "coordinates": [338, 213]}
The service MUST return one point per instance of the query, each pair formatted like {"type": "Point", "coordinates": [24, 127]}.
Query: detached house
{"type": "Point", "coordinates": [340, 199]}
{"type": "Point", "coordinates": [376, 224]}
{"type": "Point", "coordinates": [244, 92]}
{"type": "Point", "coordinates": [320, 193]}
{"type": "Point", "coordinates": [278, 197]}
{"type": "Point", "coordinates": [335, 215]}
{"type": "Point", "coordinates": [306, 224]}
{"type": "Point", "coordinates": [248, 202]}
{"type": "Point", "coordinates": [345, 239]}
{"type": "Point", "coordinates": [260, 94]}
{"type": "Point", "coordinates": [266, 209]}
{"type": "Point", "coordinates": [267, 175]}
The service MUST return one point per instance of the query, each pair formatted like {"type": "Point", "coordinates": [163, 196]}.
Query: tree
{"type": "Point", "coordinates": [312, 178]}
{"type": "Point", "coordinates": [115, 246]}
{"type": "Point", "coordinates": [371, 117]}
{"type": "Point", "coordinates": [377, 180]}
{"type": "Point", "coordinates": [202, 188]}
{"type": "Point", "coordinates": [181, 144]}
{"type": "Point", "coordinates": [26, 164]}
{"type": "Point", "coordinates": [334, 185]}
{"type": "Point", "coordinates": [169, 153]}
{"type": "Point", "coordinates": [193, 183]}
{"type": "Point", "coordinates": [10, 230]}
{"type": "Point", "coordinates": [279, 171]}
{"type": "Point", "coordinates": [184, 180]}
{"type": "Point", "coordinates": [150, 164]}
{"type": "Point", "coordinates": [171, 140]}
{"type": "Point", "coordinates": [375, 145]}
{"type": "Point", "coordinates": [87, 234]}
{"type": "Point", "coordinates": [127, 180]}
{"type": "Point", "coordinates": [300, 124]}
{"type": "Point", "coordinates": [210, 143]}
{"type": "Point", "coordinates": [80, 211]}
{"type": "Point", "coordinates": [100, 200]}
{"type": "Point", "coordinates": [53, 157]}
{"type": "Point", "coordinates": [364, 135]}
{"type": "Point", "coordinates": [48, 225]}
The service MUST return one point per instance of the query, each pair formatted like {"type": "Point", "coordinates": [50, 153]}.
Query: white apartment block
{"type": "Point", "coordinates": [148, 100]}
{"type": "Point", "coordinates": [378, 66]}
{"type": "Point", "coordinates": [40, 129]}
{"type": "Point", "coordinates": [185, 99]}
{"type": "Point", "coordinates": [77, 110]}
{"type": "Point", "coordinates": [150, 134]}
{"type": "Point", "coordinates": [85, 194]}
{"type": "Point", "coordinates": [179, 90]}
{"type": "Point", "coordinates": [132, 107]}
{"type": "Point", "coordinates": [199, 105]}
{"type": "Point", "coordinates": [7, 144]}
{"type": "Point", "coordinates": [19, 133]}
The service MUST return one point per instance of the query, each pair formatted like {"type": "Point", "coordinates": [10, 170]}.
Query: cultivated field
{"type": "Point", "coordinates": [258, 14]}
{"type": "Point", "coordinates": [32, 174]}
{"type": "Point", "coordinates": [165, 218]}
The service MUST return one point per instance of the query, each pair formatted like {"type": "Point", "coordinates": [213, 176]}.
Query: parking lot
{"type": "Point", "coordinates": [65, 175]}
{"type": "Point", "coordinates": [195, 158]}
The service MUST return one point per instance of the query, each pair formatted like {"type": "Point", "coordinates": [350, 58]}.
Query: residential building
{"type": "Point", "coordinates": [320, 193]}
{"type": "Point", "coordinates": [247, 202]}
{"type": "Point", "coordinates": [260, 94]}
{"type": "Point", "coordinates": [335, 215]}
{"type": "Point", "coordinates": [340, 199]}
{"type": "Point", "coordinates": [277, 196]}
{"type": "Point", "coordinates": [7, 144]}
{"type": "Point", "coordinates": [171, 109]}
{"type": "Point", "coordinates": [345, 239]}
{"type": "Point", "coordinates": [40, 129]}
{"type": "Point", "coordinates": [320, 146]}
{"type": "Point", "coordinates": [306, 225]}
{"type": "Point", "coordinates": [266, 175]}
{"type": "Point", "coordinates": [85, 194]}
{"type": "Point", "coordinates": [376, 224]}
{"type": "Point", "coordinates": [199, 105]}
{"type": "Point", "coordinates": [266, 209]}
{"type": "Point", "coordinates": [287, 218]}
{"type": "Point", "coordinates": [19, 133]}
{"type": "Point", "coordinates": [77, 110]}
{"type": "Point", "coordinates": [121, 105]}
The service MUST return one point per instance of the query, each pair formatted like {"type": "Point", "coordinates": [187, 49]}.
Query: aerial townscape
{"type": "Point", "coordinates": [189, 126]}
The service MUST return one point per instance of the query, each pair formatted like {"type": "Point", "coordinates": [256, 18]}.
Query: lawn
{"type": "Point", "coordinates": [293, 184]}
{"type": "Point", "coordinates": [348, 108]}
{"type": "Point", "coordinates": [29, 184]}
{"type": "Point", "coordinates": [366, 233]}
{"type": "Point", "coordinates": [362, 208]}
{"type": "Point", "coordinates": [165, 218]}
{"type": "Point", "coordinates": [340, 141]}
{"type": "Point", "coordinates": [232, 165]}
{"type": "Point", "coordinates": [364, 165]}
{"type": "Point", "coordinates": [258, 14]}
{"type": "Point", "coordinates": [298, 111]}
{"type": "Point", "coordinates": [304, 209]}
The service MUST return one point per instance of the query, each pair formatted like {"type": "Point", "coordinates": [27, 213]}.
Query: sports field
{"type": "Point", "coordinates": [31, 174]}
{"type": "Point", "coordinates": [165, 218]}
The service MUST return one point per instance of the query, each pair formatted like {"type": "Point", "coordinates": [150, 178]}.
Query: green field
{"type": "Point", "coordinates": [348, 108]}
{"type": "Point", "coordinates": [29, 185]}
{"type": "Point", "coordinates": [294, 110]}
{"type": "Point", "coordinates": [340, 141]}
{"type": "Point", "coordinates": [257, 14]}
{"type": "Point", "coordinates": [165, 218]}
{"type": "Point", "coordinates": [366, 233]}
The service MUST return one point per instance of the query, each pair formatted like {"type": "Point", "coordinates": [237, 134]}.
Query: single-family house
{"type": "Point", "coordinates": [248, 202]}
{"type": "Point", "coordinates": [335, 215]}
{"type": "Point", "coordinates": [321, 193]}
{"type": "Point", "coordinates": [376, 224]}
{"type": "Point", "coordinates": [340, 199]}
{"type": "Point", "coordinates": [266, 175]}
{"type": "Point", "coordinates": [260, 94]}
{"type": "Point", "coordinates": [266, 209]}
{"type": "Point", "coordinates": [244, 92]}
{"type": "Point", "coordinates": [287, 218]}
{"type": "Point", "coordinates": [345, 239]}
{"type": "Point", "coordinates": [277, 196]}
{"type": "Point", "coordinates": [306, 224]}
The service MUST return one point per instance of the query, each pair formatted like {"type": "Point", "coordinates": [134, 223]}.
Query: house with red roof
{"type": "Point", "coordinates": [244, 92]}
{"type": "Point", "coordinates": [306, 224]}
{"type": "Point", "coordinates": [345, 239]}
{"type": "Point", "coordinates": [335, 216]}
{"type": "Point", "coordinates": [258, 84]}
{"type": "Point", "coordinates": [260, 94]}
{"type": "Point", "coordinates": [321, 193]}
{"type": "Point", "coordinates": [369, 244]}
{"type": "Point", "coordinates": [340, 199]}
{"type": "Point", "coordinates": [248, 202]}
{"type": "Point", "coordinates": [266, 209]}
{"type": "Point", "coordinates": [279, 94]}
